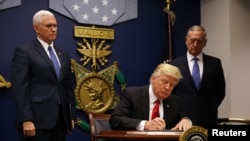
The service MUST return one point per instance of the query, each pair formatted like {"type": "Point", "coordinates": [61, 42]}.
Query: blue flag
{"type": "Point", "coordinates": [4, 4]}
{"type": "Point", "coordinates": [96, 12]}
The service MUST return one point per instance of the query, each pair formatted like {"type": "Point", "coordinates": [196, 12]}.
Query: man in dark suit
{"type": "Point", "coordinates": [200, 102]}
{"type": "Point", "coordinates": [136, 104]}
{"type": "Point", "coordinates": [45, 101]}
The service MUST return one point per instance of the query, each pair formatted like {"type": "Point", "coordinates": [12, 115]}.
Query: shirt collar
{"type": "Point", "coordinates": [152, 97]}
{"type": "Point", "coordinates": [44, 44]}
{"type": "Point", "coordinates": [190, 57]}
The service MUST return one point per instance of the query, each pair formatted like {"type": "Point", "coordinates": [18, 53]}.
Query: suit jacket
{"type": "Point", "coordinates": [201, 105]}
{"type": "Point", "coordinates": [134, 107]}
{"type": "Point", "coordinates": [36, 88]}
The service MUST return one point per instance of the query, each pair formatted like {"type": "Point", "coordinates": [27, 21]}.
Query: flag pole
{"type": "Point", "coordinates": [171, 20]}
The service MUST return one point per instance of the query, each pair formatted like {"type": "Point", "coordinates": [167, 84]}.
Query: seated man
{"type": "Point", "coordinates": [137, 103]}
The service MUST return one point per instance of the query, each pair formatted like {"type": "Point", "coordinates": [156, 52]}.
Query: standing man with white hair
{"type": "Point", "coordinates": [43, 84]}
{"type": "Point", "coordinates": [203, 86]}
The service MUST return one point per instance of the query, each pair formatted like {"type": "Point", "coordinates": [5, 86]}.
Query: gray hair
{"type": "Point", "coordinates": [37, 18]}
{"type": "Point", "coordinates": [197, 28]}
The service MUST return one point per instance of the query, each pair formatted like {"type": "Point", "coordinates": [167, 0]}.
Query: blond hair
{"type": "Point", "coordinates": [167, 69]}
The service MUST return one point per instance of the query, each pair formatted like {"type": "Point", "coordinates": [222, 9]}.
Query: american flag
{"type": "Point", "coordinates": [96, 12]}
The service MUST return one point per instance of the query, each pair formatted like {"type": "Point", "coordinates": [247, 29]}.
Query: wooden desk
{"type": "Point", "coordinates": [140, 135]}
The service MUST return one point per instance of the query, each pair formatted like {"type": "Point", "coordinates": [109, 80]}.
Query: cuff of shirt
{"type": "Point", "coordinates": [141, 125]}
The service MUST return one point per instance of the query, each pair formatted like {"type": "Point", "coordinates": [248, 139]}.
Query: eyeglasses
{"type": "Point", "coordinates": [192, 41]}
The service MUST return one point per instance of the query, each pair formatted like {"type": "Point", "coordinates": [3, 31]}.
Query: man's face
{"type": "Point", "coordinates": [195, 42]}
{"type": "Point", "coordinates": [94, 95]}
{"type": "Point", "coordinates": [163, 85]}
{"type": "Point", "coordinates": [47, 29]}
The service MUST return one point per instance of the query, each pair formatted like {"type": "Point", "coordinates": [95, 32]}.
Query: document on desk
{"type": "Point", "coordinates": [170, 132]}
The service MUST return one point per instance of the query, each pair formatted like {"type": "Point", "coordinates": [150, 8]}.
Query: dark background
{"type": "Point", "coordinates": [137, 47]}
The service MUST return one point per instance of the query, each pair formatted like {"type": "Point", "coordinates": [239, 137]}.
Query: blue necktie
{"type": "Point", "coordinates": [196, 73]}
{"type": "Point", "coordinates": [54, 61]}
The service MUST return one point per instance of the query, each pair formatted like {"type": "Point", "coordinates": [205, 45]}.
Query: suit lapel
{"type": "Point", "coordinates": [39, 48]}
{"type": "Point", "coordinates": [187, 72]}
{"type": "Point", "coordinates": [166, 109]}
{"type": "Point", "coordinates": [205, 68]}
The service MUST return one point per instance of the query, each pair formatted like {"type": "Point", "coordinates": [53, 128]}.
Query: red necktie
{"type": "Point", "coordinates": [155, 112]}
